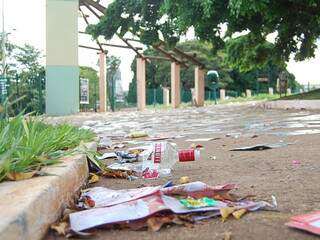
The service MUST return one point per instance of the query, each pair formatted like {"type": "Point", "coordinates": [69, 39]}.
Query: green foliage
{"type": "Point", "coordinates": [27, 145]}
{"type": "Point", "coordinates": [295, 24]}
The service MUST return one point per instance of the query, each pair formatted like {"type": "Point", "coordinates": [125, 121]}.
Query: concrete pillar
{"type": "Point", "coordinates": [199, 86]}
{"type": "Point", "coordinates": [270, 91]}
{"type": "Point", "coordinates": [102, 83]}
{"type": "Point", "coordinates": [288, 91]}
{"type": "Point", "coordinates": [62, 69]}
{"type": "Point", "coordinates": [248, 92]}
{"type": "Point", "coordinates": [166, 96]}
{"type": "Point", "coordinates": [141, 84]}
{"type": "Point", "coordinates": [175, 85]}
{"type": "Point", "coordinates": [222, 94]}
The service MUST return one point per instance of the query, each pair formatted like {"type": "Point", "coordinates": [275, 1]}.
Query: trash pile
{"type": "Point", "coordinates": [150, 161]}
{"type": "Point", "coordinates": [308, 222]}
{"type": "Point", "coordinates": [153, 207]}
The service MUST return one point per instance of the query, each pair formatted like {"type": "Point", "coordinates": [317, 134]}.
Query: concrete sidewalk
{"type": "Point", "coordinates": [292, 104]}
{"type": "Point", "coordinates": [29, 207]}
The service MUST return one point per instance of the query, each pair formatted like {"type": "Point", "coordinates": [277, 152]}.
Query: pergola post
{"type": "Point", "coordinates": [175, 84]}
{"type": "Point", "coordinates": [141, 84]}
{"type": "Point", "coordinates": [62, 69]}
{"type": "Point", "coordinates": [102, 82]}
{"type": "Point", "coordinates": [199, 86]}
{"type": "Point", "coordinates": [166, 96]}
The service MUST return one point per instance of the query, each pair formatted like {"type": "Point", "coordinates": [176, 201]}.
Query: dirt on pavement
{"type": "Point", "coordinates": [290, 173]}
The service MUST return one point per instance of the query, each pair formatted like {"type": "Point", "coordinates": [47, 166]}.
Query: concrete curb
{"type": "Point", "coordinates": [292, 104]}
{"type": "Point", "coordinates": [28, 207]}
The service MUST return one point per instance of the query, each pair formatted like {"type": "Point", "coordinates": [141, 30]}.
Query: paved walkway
{"type": "Point", "coordinates": [290, 173]}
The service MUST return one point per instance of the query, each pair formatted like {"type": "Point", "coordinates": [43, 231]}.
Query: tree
{"type": "Point", "coordinates": [295, 24]}
{"type": "Point", "coordinates": [27, 79]}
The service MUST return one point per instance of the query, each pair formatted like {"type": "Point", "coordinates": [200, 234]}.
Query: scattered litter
{"type": "Point", "coordinates": [61, 228]}
{"type": "Point", "coordinates": [137, 134]}
{"type": "Point", "coordinates": [132, 178]}
{"type": "Point", "coordinates": [184, 180]}
{"type": "Point", "coordinates": [307, 222]}
{"type": "Point", "coordinates": [128, 206]}
{"type": "Point", "coordinates": [118, 146]}
{"type": "Point", "coordinates": [195, 146]}
{"type": "Point", "coordinates": [202, 139]}
{"type": "Point", "coordinates": [296, 162]}
{"type": "Point", "coordinates": [261, 147]}
{"type": "Point", "coordinates": [93, 178]}
{"type": "Point", "coordinates": [190, 202]}
{"type": "Point", "coordinates": [213, 157]}
{"type": "Point", "coordinates": [125, 157]}
{"type": "Point", "coordinates": [105, 142]}
{"type": "Point", "coordinates": [163, 156]}
{"type": "Point", "coordinates": [109, 173]}
{"type": "Point", "coordinates": [233, 135]}
{"type": "Point", "coordinates": [254, 136]}
{"type": "Point", "coordinates": [137, 167]}
{"type": "Point", "coordinates": [106, 156]}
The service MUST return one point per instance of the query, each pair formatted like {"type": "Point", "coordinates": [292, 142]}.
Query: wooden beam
{"type": "Point", "coordinates": [92, 48]}
{"type": "Point", "coordinates": [157, 58]}
{"type": "Point", "coordinates": [99, 7]}
{"type": "Point", "coordinates": [119, 46]}
{"type": "Point", "coordinates": [96, 5]}
{"type": "Point", "coordinates": [174, 59]}
{"type": "Point", "coordinates": [112, 45]}
{"type": "Point", "coordinates": [87, 22]}
{"type": "Point", "coordinates": [190, 58]}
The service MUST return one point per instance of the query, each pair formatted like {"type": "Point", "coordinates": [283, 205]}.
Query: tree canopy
{"type": "Point", "coordinates": [294, 23]}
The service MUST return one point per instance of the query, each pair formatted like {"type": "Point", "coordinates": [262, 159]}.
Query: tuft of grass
{"type": "Point", "coordinates": [27, 145]}
{"type": "Point", "coordinates": [311, 95]}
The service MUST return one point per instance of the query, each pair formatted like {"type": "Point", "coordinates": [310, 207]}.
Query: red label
{"type": "Point", "coordinates": [157, 153]}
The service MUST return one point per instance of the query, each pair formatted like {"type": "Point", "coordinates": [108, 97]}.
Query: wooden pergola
{"type": "Point", "coordinates": [177, 57]}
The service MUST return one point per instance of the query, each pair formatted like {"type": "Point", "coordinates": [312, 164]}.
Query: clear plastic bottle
{"type": "Point", "coordinates": [163, 156]}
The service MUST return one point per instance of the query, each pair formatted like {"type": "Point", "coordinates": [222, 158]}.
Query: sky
{"type": "Point", "coordinates": [25, 21]}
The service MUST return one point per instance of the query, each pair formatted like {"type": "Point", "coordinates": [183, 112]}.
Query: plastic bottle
{"type": "Point", "coordinates": [163, 156]}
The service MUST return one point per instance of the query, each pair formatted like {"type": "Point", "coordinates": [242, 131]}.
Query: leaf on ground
{"type": "Point", "coordinates": [239, 213]}
{"type": "Point", "coordinates": [155, 223]}
{"type": "Point", "coordinates": [227, 236]}
{"type": "Point", "coordinates": [114, 174]}
{"type": "Point", "coordinates": [17, 176]}
{"type": "Point", "coordinates": [93, 178]}
{"type": "Point", "coordinates": [61, 228]}
{"type": "Point", "coordinates": [66, 214]}
{"type": "Point", "coordinates": [225, 212]}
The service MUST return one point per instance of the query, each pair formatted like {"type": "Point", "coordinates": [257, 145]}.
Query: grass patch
{"type": "Point", "coordinates": [28, 145]}
{"type": "Point", "coordinates": [260, 97]}
{"type": "Point", "coordinates": [312, 95]}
